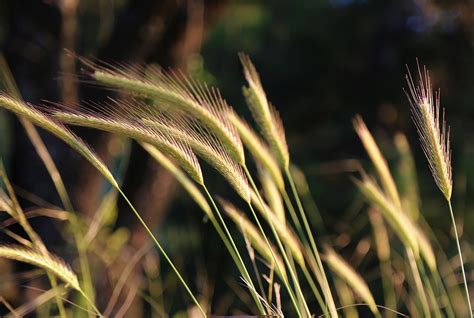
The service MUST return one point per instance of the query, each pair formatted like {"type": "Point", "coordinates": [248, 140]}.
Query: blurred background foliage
{"type": "Point", "coordinates": [321, 63]}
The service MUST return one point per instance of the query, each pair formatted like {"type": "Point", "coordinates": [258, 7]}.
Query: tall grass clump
{"type": "Point", "coordinates": [188, 125]}
{"type": "Point", "coordinates": [182, 124]}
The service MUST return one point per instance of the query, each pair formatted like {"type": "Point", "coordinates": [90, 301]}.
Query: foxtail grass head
{"type": "Point", "coordinates": [264, 113]}
{"type": "Point", "coordinates": [258, 148]}
{"type": "Point", "coordinates": [432, 130]}
{"type": "Point", "coordinates": [119, 119]}
{"type": "Point", "coordinates": [174, 91]}
{"type": "Point", "coordinates": [177, 136]}
{"type": "Point", "coordinates": [47, 261]}
{"type": "Point", "coordinates": [53, 126]}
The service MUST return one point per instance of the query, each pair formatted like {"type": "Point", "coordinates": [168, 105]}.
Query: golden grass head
{"type": "Point", "coordinates": [264, 113]}
{"type": "Point", "coordinates": [407, 175]}
{"type": "Point", "coordinates": [432, 129]}
{"type": "Point", "coordinates": [381, 238]}
{"type": "Point", "coordinates": [174, 91]}
{"type": "Point", "coordinates": [48, 262]}
{"type": "Point", "coordinates": [53, 126]}
{"type": "Point", "coordinates": [207, 146]}
{"type": "Point", "coordinates": [258, 148]}
{"type": "Point", "coordinates": [272, 193]}
{"type": "Point", "coordinates": [118, 118]}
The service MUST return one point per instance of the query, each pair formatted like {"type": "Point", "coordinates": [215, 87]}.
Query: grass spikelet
{"type": "Point", "coordinates": [210, 149]}
{"type": "Point", "coordinates": [434, 137]}
{"type": "Point", "coordinates": [182, 178]}
{"type": "Point", "coordinates": [377, 159]}
{"type": "Point", "coordinates": [175, 91]}
{"type": "Point", "coordinates": [258, 149]}
{"type": "Point", "coordinates": [254, 235]}
{"type": "Point", "coordinates": [341, 268]}
{"type": "Point", "coordinates": [56, 128]}
{"type": "Point", "coordinates": [138, 121]}
{"type": "Point", "coordinates": [121, 125]}
{"type": "Point", "coordinates": [400, 222]}
{"type": "Point", "coordinates": [48, 262]}
{"type": "Point", "coordinates": [204, 143]}
{"type": "Point", "coordinates": [264, 113]}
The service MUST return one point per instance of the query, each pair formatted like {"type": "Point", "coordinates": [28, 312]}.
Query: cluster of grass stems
{"type": "Point", "coordinates": [182, 123]}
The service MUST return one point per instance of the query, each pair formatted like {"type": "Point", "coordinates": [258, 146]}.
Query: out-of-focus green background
{"type": "Point", "coordinates": [321, 63]}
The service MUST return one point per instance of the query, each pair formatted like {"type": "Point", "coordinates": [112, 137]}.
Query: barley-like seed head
{"type": "Point", "coordinates": [258, 148]}
{"type": "Point", "coordinates": [53, 126]}
{"type": "Point", "coordinates": [264, 113]}
{"type": "Point", "coordinates": [434, 136]}
{"type": "Point", "coordinates": [48, 262]}
{"type": "Point", "coordinates": [174, 91]}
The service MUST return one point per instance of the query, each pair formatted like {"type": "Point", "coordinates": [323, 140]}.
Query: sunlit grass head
{"type": "Point", "coordinates": [173, 91]}
{"type": "Point", "coordinates": [431, 126]}
{"type": "Point", "coordinates": [264, 113]}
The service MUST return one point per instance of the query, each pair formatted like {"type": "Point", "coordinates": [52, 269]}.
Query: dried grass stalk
{"type": "Point", "coordinates": [426, 250]}
{"type": "Point", "coordinates": [272, 194]}
{"type": "Point", "coordinates": [407, 175]}
{"type": "Point", "coordinates": [381, 239]}
{"type": "Point", "coordinates": [286, 234]}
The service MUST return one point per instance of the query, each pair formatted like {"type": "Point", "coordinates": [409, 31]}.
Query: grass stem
{"type": "Point", "coordinates": [91, 303]}
{"type": "Point", "coordinates": [326, 289]}
{"type": "Point", "coordinates": [243, 269]}
{"type": "Point", "coordinates": [277, 237]}
{"type": "Point", "coordinates": [170, 262]}
{"type": "Point", "coordinates": [460, 257]}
